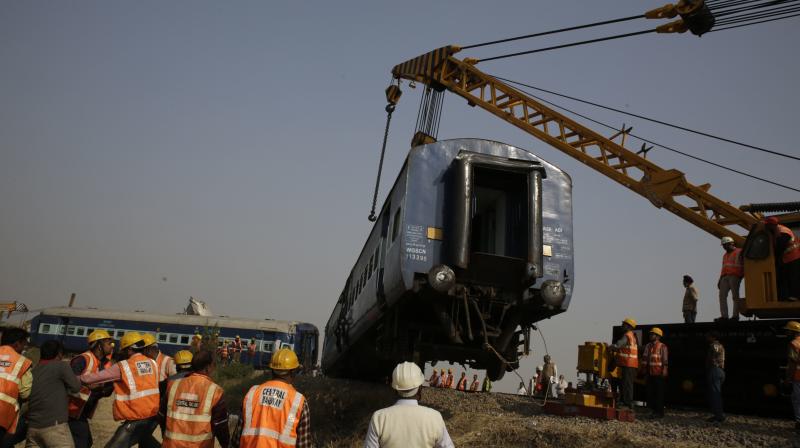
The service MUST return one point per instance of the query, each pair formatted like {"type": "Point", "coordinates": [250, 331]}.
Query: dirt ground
{"type": "Point", "coordinates": [340, 412]}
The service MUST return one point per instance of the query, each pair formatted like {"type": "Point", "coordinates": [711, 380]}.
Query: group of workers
{"type": "Point", "coordinates": [445, 380]}
{"type": "Point", "coordinates": [236, 351]}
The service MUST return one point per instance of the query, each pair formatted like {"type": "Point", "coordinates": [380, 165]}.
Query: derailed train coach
{"type": "Point", "coordinates": [472, 247]}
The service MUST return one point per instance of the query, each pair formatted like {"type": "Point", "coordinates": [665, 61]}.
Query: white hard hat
{"type": "Point", "coordinates": [726, 239]}
{"type": "Point", "coordinates": [406, 379]}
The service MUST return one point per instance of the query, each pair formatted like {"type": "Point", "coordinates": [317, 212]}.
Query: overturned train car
{"type": "Point", "coordinates": [472, 247]}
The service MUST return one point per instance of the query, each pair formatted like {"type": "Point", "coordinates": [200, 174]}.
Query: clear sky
{"type": "Point", "coordinates": [231, 147]}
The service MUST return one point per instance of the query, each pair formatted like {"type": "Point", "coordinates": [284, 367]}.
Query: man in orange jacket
{"type": "Point", "coordinates": [787, 259]}
{"type": "Point", "coordinates": [195, 408]}
{"type": "Point", "coordinates": [136, 397]}
{"type": "Point", "coordinates": [83, 404]}
{"type": "Point", "coordinates": [275, 414]}
{"type": "Point", "coordinates": [15, 382]}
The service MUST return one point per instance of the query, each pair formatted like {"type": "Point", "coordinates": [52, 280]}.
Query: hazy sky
{"type": "Point", "coordinates": [231, 147]}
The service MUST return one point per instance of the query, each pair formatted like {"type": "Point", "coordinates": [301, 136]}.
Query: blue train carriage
{"type": "Point", "coordinates": [472, 247]}
{"type": "Point", "coordinates": [175, 331]}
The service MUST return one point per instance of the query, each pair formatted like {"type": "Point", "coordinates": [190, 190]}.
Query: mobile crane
{"type": "Point", "coordinates": [756, 348]}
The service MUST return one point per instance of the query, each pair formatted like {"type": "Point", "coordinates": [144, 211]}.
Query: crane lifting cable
{"type": "Point", "coordinates": [653, 120]}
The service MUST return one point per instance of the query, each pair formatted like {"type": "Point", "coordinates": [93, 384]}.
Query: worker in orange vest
{"type": "Point", "coordinates": [15, 380]}
{"type": "Point", "coordinates": [196, 343]}
{"type": "Point", "coordinates": [475, 383]}
{"type": "Point", "coordinates": [654, 366]}
{"type": "Point", "coordinates": [195, 408]}
{"type": "Point", "coordinates": [251, 352]}
{"type": "Point", "coordinates": [222, 353]}
{"type": "Point", "coordinates": [136, 396]}
{"type": "Point", "coordinates": [787, 259]}
{"type": "Point", "coordinates": [793, 369]}
{"type": "Point", "coordinates": [276, 415]}
{"type": "Point", "coordinates": [442, 378]}
{"type": "Point", "coordinates": [462, 382]}
{"type": "Point", "coordinates": [166, 364]}
{"type": "Point", "coordinates": [626, 356]}
{"type": "Point", "coordinates": [730, 277]}
{"type": "Point", "coordinates": [236, 348]}
{"type": "Point", "coordinates": [434, 380]}
{"type": "Point", "coordinates": [448, 383]}
{"type": "Point", "coordinates": [83, 404]}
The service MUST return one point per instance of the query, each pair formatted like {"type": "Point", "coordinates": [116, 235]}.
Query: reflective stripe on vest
{"type": "Point", "coordinates": [263, 414]}
{"type": "Point", "coordinates": [792, 251]}
{"type": "Point", "coordinates": [78, 400]}
{"type": "Point", "coordinates": [12, 367]}
{"type": "Point", "coordinates": [732, 263]}
{"type": "Point", "coordinates": [651, 359]}
{"type": "Point", "coordinates": [628, 356]}
{"type": "Point", "coordinates": [136, 396]}
{"type": "Point", "coordinates": [163, 362]}
{"type": "Point", "coordinates": [795, 345]}
{"type": "Point", "coordinates": [183, 424]}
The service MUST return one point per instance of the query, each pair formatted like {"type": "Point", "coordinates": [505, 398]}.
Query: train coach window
{"type": "Point", "coordinates": [396, 224]}
{"type": "Point", "coordinates": [70, 331]}
{"type": "Point", "coordinates": [120, 333]}
{"type": "Point", "coordinates": [80, 331]}
{"type": "Point", "coordinates": [162, 337]}
{"type": "Point", "coordinates": [267, 346]}
{"type": "Point", "coordinates": [173, 339]}
{"type": "Point", "coordinates": [45, 329]}
{"type": "Point", "coordinates": [184, 339]}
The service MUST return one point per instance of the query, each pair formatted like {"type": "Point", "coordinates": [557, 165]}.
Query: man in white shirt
{"type": "Point", "coordinates": [406, 424]}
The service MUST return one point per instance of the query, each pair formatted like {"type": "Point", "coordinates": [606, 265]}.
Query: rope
{"type": "Point", "coordinates": [389, 109]}
{"type": "Point", "coordinates": [574, 44]}
{"type": "Point", "coordinates": [752, 176]}
{"type": "Point", "coordinates": [560, 30]}
{"type": "Point", "coordinates": [653, 120]}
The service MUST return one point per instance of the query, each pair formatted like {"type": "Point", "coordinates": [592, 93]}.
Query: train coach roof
{"type": "Point", "coordinates": [184, 319]}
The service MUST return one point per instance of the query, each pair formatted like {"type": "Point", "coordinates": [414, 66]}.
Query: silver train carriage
{"type": "Point", "coordinates": [472, 247]}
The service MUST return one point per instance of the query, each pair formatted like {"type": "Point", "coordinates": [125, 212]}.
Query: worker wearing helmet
{"type": "Point", "coordinates": [194, 408]}
{"type": "Point", "coordinates": [136, 395]}
{"type": "Point", "coordinates": [730, 277]}
{"type": "Point", "coordinates": [166, 365]}
{"type": "Point", "coordinates": [787, 259]}
{"type": "Point", "coordinates": [442, 378]}
{"type": "Point", "coordinates": [16, 382]}
{"type": "Point", "coordinates": [236, 349]}
{"type": "Point", "coordinates": [275, 413]}
{"type": "Point", "coordinates": [82, 405]}
{"type": "Point", "coordinates": [197, 341]}
{"type": "Point", "coordinates": [406, 423]}
{"type": "Point", "coordinates": [450, 379]}
{"type": "Point", "coordinates": [654, 366]}
{"type": "Point", "coordinates": [793, 369]}
{"type": "Point", "coordinates": [434, 380]}
{"type": "Point", "coordinates": [626, 356]}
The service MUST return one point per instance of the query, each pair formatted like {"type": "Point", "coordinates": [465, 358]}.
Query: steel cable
{"type": "Point", "coordinates": [733, 170]}
{"type": "Point", "coordinates": [705, 134]}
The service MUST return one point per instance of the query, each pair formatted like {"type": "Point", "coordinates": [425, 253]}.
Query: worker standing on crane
{"type": "Point", "coordinates": [136, 397]}
{"type": "Point", "coordinates": [626, 351]}
{"type": "Point", "coordinates": [793, 369]}
{"type": "Point", "coordinates": [690, 298]}
{"type": "Point", "coordinates": [730, 277]}
{"type": "Point", "coordinates": [787, 259]}
{"type": "Point", "coordinates": [83, 404]}
{"type": "Point", "coordinates": [654, 366]}
{"type": "Point", "coordinates": [16, 378]}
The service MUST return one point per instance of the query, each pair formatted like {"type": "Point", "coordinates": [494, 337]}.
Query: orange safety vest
{"type": "Point", "coordinates": [732, 263]}
{"type": "Point", "coordinates": [12, 367]}
{"type": "Point", "coordinates": [474, 386]}
{"type": "Point", "coordinates": [792, 251]}
{"type": "Point", "coordinates": [78, 401]}
{"type": "Point", "coordinates": [189, 403]}
{"type": "Point", "coordinates": [166, 366]}
{"type": "Point", "coordinates": [251, 348]}
{"type": "Point", "coordinates": [271, 415]}
{"type": "Point", "coordinates": [795, 346]}
{"type": "Point", "coordinates": [224, 352]}
{"type": "Point", "coordinates": [237, 345]}
{"type": "Point", "coordinates": [628, 356]}
{"type": "Point", "coordinates": [651, 359]}
{"type": "Point", "coordinates": [462, 384]}
{"type": "Point", "coordinates": [136, 392]}
{"type": "Point", "coordinates": [434, 379]}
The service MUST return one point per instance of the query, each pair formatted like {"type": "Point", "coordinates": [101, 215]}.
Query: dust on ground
{"type": "Point", "coordinates": [340, 412]}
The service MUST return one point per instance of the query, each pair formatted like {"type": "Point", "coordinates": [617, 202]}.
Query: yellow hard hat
{"type": "Point", "coordinates": [183, 357]}
{"type": "Point", "coordinates": [97, 335]}
{"type": "Point", "coordinates": [148, 339]}
{"type": "Point", "coordinates": [630, 321]}
{"type": "Point", "coordinates": [442, 370]}
{"type": "Point", "coordinates": [449, 370]}
{"type": "Point", "coordinates": [793, 326]}
{"type": "Point", "coordinates": [129, 338]}
{"type": "Point", "coordinates": [284, 359]}
{"type": "Point", "coordinates": [196, 336]}
{"type": "Point", "coordinates": [656, 330]}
